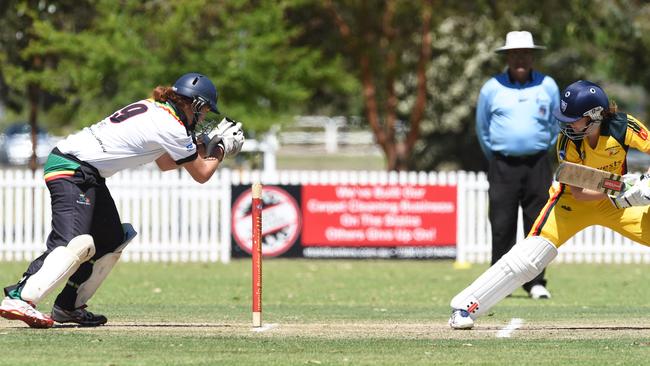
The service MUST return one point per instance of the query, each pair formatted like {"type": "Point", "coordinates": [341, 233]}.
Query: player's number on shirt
{"type": "Point", "coordinates": [128, 112]}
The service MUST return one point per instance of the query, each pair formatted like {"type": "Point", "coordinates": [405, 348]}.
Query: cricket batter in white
{"type": "Point", "coordinates": [87, 235]}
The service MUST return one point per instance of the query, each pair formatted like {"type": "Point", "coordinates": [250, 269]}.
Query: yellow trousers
{"type": "Point", "coordinates": [563, 216]}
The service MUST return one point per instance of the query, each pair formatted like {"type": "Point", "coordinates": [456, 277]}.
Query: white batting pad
{"type": "Point", "coordinates": [60, 264]}
{"type": "Point", "coordinates": [521, 264]}
{"type": "Point", "coordinates": [102, 267]}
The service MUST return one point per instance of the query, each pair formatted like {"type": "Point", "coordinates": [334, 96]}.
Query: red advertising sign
{"type": "Point", "coordinates": [375, 216]}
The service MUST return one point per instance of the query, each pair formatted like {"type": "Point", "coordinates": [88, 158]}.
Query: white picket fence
{"type": "Point", "coordinates": [179, 220]}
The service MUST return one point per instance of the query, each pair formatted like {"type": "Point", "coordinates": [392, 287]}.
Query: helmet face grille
{"type": "Point", "coordinates": [198, 103]}
{"type": "Point", "coordinates": [574, 135]}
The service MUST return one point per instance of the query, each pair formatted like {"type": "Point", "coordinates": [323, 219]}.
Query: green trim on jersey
{"type": "Point", "coordinates": [57, 163]}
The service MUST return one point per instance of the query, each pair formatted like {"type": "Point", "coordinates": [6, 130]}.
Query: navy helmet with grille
{"type": "Point", "coordinates": [581, 99]}
{"type": "Point", "coordinates": [198, 88]}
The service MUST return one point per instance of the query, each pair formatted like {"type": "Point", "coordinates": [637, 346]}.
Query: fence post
{"type": "Point", "coordinates": [270, 148]}
{"type": "Point", "coordinates": [331, 135]}
{"type": "Point", "coordinates": [225, 179]}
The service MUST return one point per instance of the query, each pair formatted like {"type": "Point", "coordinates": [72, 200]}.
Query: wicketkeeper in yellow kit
{"type": "Point", "coordinates": [593, 134]}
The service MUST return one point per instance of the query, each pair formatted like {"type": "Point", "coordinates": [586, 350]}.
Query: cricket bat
{"type": "Point", "coordinates": [589, 178]}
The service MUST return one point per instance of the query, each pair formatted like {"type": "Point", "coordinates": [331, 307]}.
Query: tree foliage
{"type": "Point", "coordinates": [413, 69]}
{"type": "Point", "coordinates": [115, 52]}
{"type": "Point", "coordinates": [373, 37]}
{"type": "Point", "coordinates": [604, 41]}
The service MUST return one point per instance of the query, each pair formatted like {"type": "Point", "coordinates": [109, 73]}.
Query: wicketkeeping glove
{"type": "Point", "coordinates": [225, 140]}
{"type": "Point", "coordinates": [635, 193]}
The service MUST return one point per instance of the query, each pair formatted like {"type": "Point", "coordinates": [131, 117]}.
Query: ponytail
{"type": "Point", "coordinates": [164, 94]}
{"type": "Point", "coordinates": [611, 111]}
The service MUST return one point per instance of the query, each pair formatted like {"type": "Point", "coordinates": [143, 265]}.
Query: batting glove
{"type": "Point", "coordinates": [226, 140]}
{"type": "Point", "coordinates": [634, 194]}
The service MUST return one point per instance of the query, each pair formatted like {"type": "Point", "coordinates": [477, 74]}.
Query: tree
{"type": "Point", "coordinates": [382, 43]}
{"type": "Point", "coordinates": [462, 59]}
{"type": "Point", "coordinates": [122, 49]}
{"type": "Point", "coordinates": [23, 65]}
{"type": "Point", "coordinates": [412, 68]}
{"type": "Point", "coordinates": [419, 73]}
{"type": "Point", "coordinates": [375, 38]}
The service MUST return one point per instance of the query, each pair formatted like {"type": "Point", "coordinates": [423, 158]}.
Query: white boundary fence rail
{"type": "Point", "coordinates": [176, 218]}
{"type": "Point", "coordinates": [179, 220]}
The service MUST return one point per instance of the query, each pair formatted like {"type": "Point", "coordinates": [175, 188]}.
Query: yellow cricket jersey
{"type": "Point", "coordinates": [563, 216]}
{"type": "Point", "coordinates": [616, 136]}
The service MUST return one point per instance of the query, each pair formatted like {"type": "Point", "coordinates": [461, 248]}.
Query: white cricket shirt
{"type": "Point", "coordinates": [135, 135]}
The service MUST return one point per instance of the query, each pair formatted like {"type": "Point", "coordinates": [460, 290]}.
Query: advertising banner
{"type": "Point", "coordinates": [350, 221]}
{"type": "Point", "coordinates": [386, 221]}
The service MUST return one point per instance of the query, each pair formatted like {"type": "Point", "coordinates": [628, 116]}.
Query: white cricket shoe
{"type": "Point", "coordinates": [16, 309]}
{"type": "Point", "coordinates": [539, 292]}
{"type": "Point", "coordinates": [460, 319]}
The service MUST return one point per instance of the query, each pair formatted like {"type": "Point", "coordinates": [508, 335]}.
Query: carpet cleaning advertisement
{"type": "Point", "coordinates": [378, 221]}
{"type": "Point", "coordinates": [350, 221]}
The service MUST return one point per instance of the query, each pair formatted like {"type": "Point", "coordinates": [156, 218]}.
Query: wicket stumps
{"type": "Point", "coordinates": [257, 254]}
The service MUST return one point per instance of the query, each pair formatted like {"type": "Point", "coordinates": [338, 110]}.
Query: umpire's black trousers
{"type": "Point", "coordinates": [514, 182]}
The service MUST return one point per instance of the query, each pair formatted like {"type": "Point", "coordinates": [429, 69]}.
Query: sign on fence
{"type": "Point", "coordinates": [409, 221]}
{"type": "Point", "coordinates": [281, 221]}
{"type": "Point", "coordinates": [378, 216]}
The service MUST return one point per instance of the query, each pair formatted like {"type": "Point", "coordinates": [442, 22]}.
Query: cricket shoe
{"type": "Point", "coordinates": [16, 309]}
{"type": "Point", "coordinates": [460, 319]}
{"type": "Point", "coordinates": [539, 292]}
{"type": "Point", "coordinates": [79, 315]}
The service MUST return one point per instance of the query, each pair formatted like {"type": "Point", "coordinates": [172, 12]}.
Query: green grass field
{"type": "Point", "coordinates": [325, 312]}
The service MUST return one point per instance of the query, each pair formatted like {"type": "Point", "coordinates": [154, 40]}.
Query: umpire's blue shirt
{"type": "Point", "coordinates": [516, 119]}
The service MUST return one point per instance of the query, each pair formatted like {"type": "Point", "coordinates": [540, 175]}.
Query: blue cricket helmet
{"type": "Point", "coordinates": [197, 87]}
{"type": "Point", "coordinates": [580, 99]}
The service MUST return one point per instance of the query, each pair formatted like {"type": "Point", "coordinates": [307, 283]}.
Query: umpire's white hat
{"type": "Point", "coordinates": [518, 40]}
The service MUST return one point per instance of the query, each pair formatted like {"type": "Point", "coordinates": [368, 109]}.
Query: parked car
{"type": "Point", "coordinates": [16, 144]}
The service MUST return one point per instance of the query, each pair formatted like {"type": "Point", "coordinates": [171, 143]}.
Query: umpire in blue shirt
{"type": "Point", "coordinates": [515, 128]}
